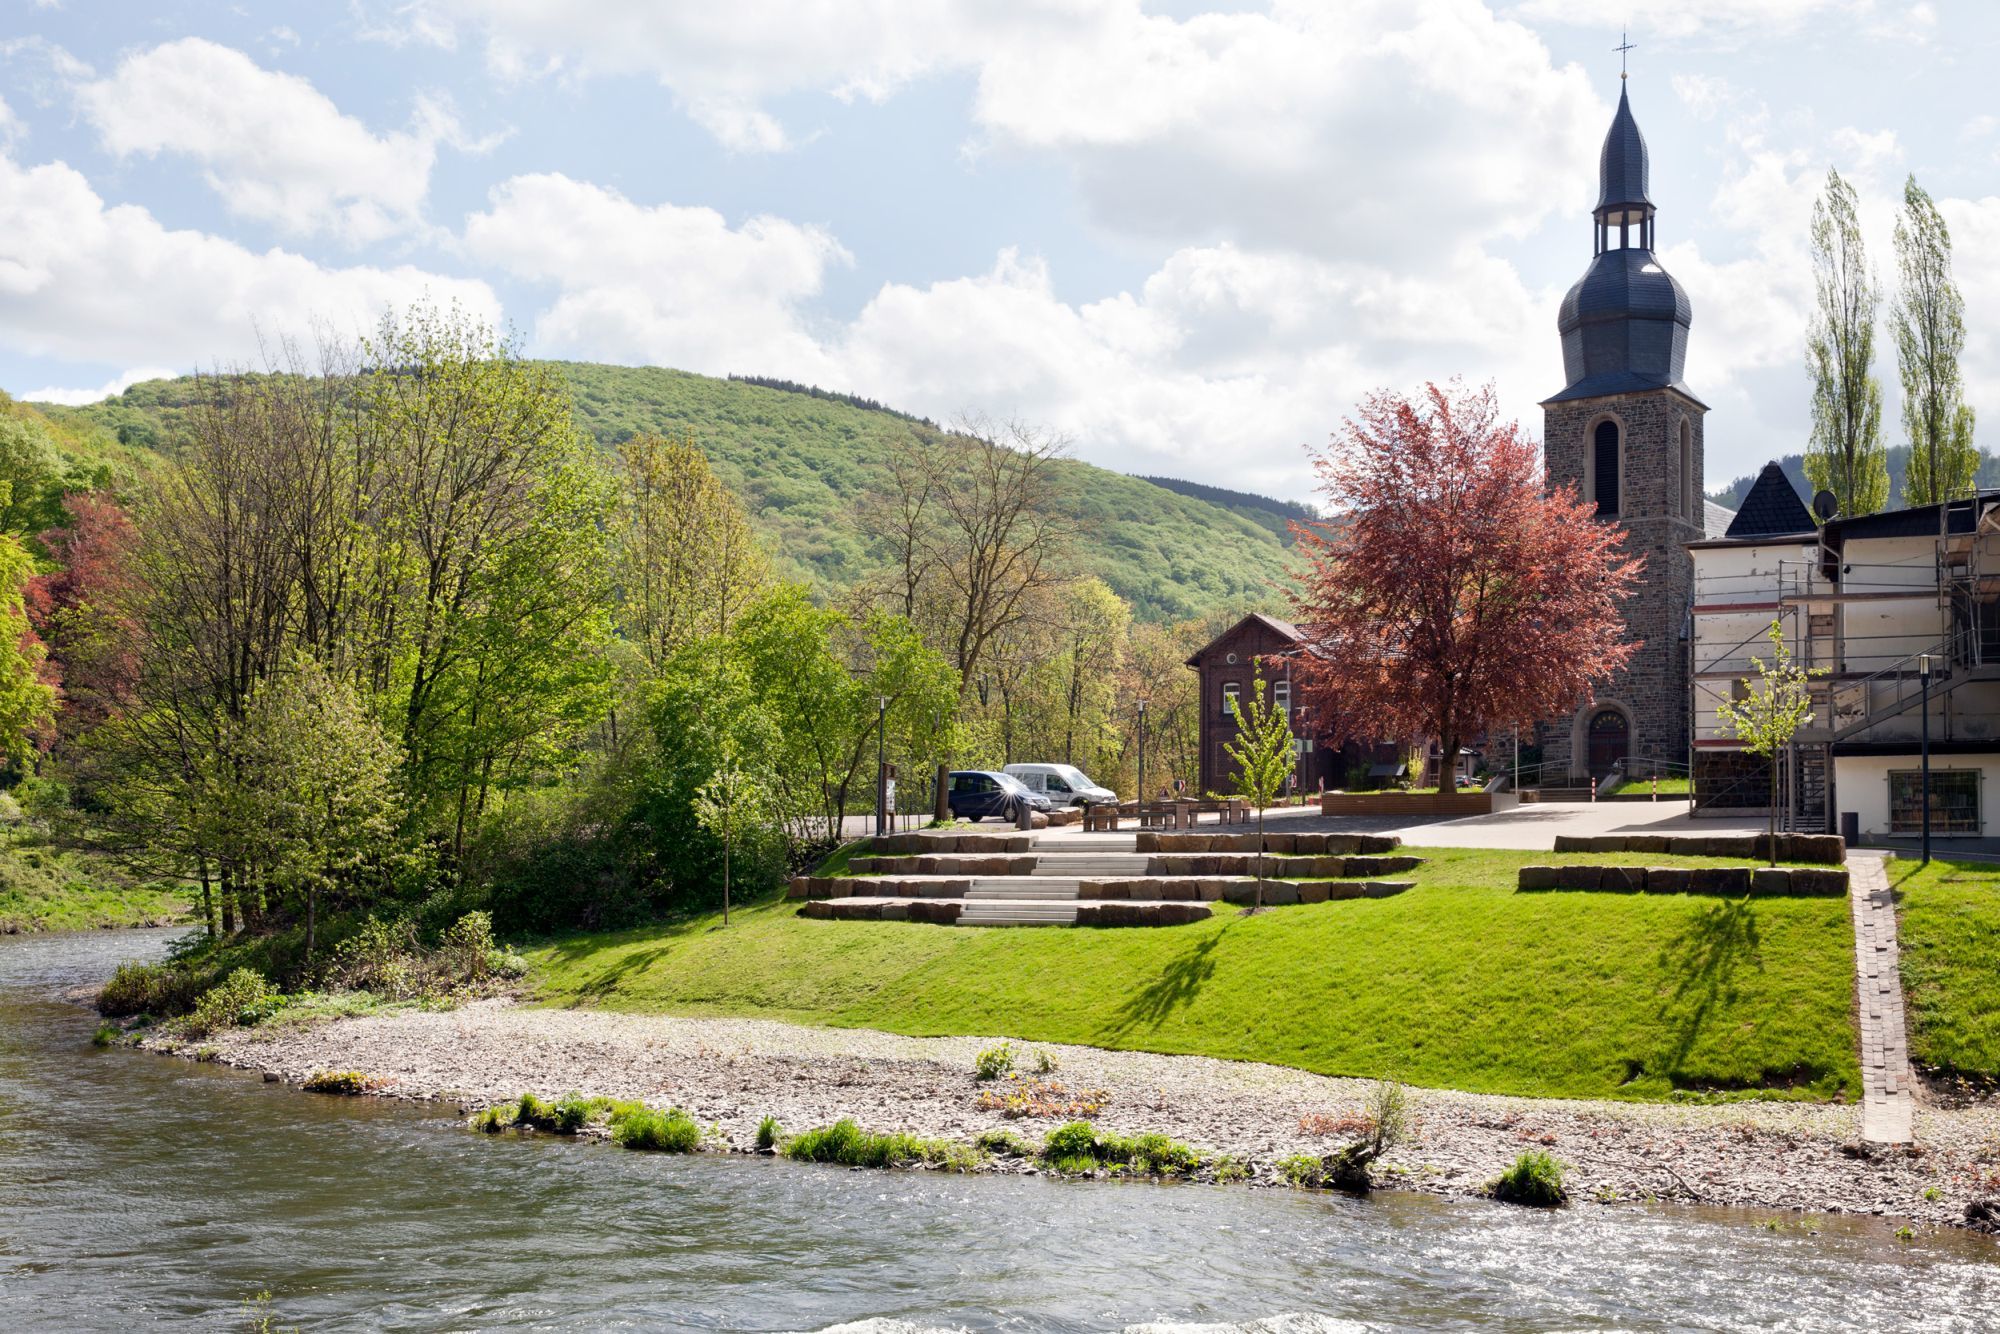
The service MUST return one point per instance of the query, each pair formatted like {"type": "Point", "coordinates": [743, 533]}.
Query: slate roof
{"type": "Point", "coordinates": [1772, 509]}
{"type": "Point", "coordinates": [1715, 519]}
{"type": "Point", "coordinates": [1622, 167]}
{"type": "Point", "coordinates": [1917, 521]}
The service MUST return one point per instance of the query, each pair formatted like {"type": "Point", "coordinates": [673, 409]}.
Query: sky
{"type": "Point", "coordinates": [1187, 237]}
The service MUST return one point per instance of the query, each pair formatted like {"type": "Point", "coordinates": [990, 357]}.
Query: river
{"type": "Point", "coordinates": [136, 1189]}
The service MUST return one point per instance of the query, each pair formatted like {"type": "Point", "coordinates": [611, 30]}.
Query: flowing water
{"type": "Point", "coordinates": [136, 1189]}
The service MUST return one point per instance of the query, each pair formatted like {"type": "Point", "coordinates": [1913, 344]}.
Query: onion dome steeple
{"type": "Point", "coordinates": [1625, 324]}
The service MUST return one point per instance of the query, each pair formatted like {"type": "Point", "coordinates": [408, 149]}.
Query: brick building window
{"type": "Point", "coordinates": [1232, 698]}
{"type": "Point", "coordinates": [1604, 461]}
{"type": "Point", "coordinates": [1689, 497]}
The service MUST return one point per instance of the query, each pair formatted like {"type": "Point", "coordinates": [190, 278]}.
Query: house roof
{"type": "Point", "coordinates": [1772, 509]}
{"type": "Point", "coordinates": [1285, 628]}
{"type": "Point", "coordinates": [1715, 519]}
{"type": "Point", "coordinates": [1916, 521]}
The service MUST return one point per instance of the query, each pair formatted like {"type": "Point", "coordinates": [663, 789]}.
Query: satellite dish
{"type": "Point", "coordinates": [1825, 506]}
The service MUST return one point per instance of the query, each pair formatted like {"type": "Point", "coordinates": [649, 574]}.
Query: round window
{"type": "Point", "coordinates": [1231, 660]}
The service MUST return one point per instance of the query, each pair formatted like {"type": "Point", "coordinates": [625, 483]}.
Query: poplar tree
{"type": "Point", "coordinates": [1265, 756]}
{"type": "Point", "coordinates": [1928, 319]}
{"type": "Point", "coordinates": [1845, 454]}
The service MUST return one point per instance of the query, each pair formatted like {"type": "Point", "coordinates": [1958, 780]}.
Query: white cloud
{"type": "Point", "coordinates": [676, 286]}
{"type": "Point", "coordinates": [1306, 125]}
{"type": "Point", "coordinates": [116, 385]}
{"type": "Point", "coordinates": [270, 144]}
{"type": "Point", "coordinates": [1721, 23]}
{"type": "Point", "coordinates": [84, 281]}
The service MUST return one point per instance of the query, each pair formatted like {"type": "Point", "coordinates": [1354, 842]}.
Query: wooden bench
{"type": "Point", "coordinates": [1100, 817]}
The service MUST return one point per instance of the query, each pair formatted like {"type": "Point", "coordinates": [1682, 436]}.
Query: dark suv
{"type": "Point", "coordinates": [979, 793]}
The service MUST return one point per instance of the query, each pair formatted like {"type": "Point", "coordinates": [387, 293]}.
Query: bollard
{"type": "Point", "coordinates": [1024, 815]}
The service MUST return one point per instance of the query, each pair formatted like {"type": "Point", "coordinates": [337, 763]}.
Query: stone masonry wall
{"type": "Point", "coordinates": [1653, 690]}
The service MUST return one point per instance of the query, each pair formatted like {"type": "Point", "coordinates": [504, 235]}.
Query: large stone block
{"type": "Point", "coordinates": [1536, 877]}
{"type": "Point", "coordinates": [1578, 877]}
{"type": "Point", "coordinates": [1770, 880]}
{"type": "Point", "coordinates": [1820, 880]}
{"type": "Point", "coordinates": [1668, 879]}
{"type": "Point", "coordinates": [1654, 843]}
{"type": "Point", "coordinates": [1622, 879]}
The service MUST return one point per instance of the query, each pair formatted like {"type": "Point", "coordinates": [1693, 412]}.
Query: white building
{"type": "Point", "coordinates": [1870, 600]}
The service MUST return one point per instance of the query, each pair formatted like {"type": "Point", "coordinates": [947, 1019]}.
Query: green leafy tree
{"type": "Point", "coordinates": [733, 803]}
{"type": "Point", "coordinates": [312, 787]}
{"type": "Point", "coordinates": [1845, 454]}
{"type": "Point", "coordinates": [27, 700]}
{"type": "Point", "coordinates": [1928, 320]}
{"type": "Point", "coordinates": [1265, 754]}
{"type": "Point", "coordinates": [31, 475]}
{"type": "Point", "coordinates": [1775, 706]}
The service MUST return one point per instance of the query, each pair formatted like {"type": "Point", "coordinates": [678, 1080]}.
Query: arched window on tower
{"type": "Point", "coordinates": [1690, 491]}
{"type": "Point", "coordinates": [1604, 462]}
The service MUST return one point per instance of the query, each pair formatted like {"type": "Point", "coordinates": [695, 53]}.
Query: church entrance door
{"type": "Point", "coordinates": [1610, 741]}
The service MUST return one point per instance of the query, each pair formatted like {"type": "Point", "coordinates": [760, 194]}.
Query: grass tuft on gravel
{"type": "Point", "coordinates": [1460, 983]}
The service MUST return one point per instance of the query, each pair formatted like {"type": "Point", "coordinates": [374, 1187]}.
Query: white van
{"type": "Point", "coordinates": [1062, 784]}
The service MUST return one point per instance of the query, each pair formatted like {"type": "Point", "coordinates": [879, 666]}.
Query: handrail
{"type": "Point", "coordinates": [1946, 653]}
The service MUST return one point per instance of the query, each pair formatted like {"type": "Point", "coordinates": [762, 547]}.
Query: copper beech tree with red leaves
{"type": "Point", "coordinates": [1450, 594]}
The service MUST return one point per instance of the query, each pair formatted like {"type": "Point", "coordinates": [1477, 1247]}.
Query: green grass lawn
{"type": "Point", "coordinates": [1949, 929]}
{"type": "Point", "coordinates": [1460, 983]}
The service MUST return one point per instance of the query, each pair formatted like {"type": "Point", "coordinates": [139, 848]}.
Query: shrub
{"type": "Point", "coordinates": [347, 1082]}
{"type": "Point", "coordinates": [1046, 1061]}
{"type": "Point", "coordinates": [467, 945]}
{"type": "Point", "coordinates": [767, 1133]}
{"type": "Point", "coordinates": [106, 1034]}
{"type": "Point", "coordinates": [148, 988]}
{"type": "Point", "coordinates": [671, 1131]}
{"type": "Point", "coordinates": [241, 998]}
{"type": "Point", "coordinates": [994, 1062]}
{"type": "Point", "coordinates": [493, 1120]}
{"type": "Point", "coordinates": [1535, 1178]}
{"type": "Point", "coordinates": [377, 958]}
{"type": "Point", "coordinates": [1304, 1169]}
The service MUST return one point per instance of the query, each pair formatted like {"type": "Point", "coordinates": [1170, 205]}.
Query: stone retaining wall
{"type": "Point", "coordinates": [843, 887]}
{"type": "Point", "coordinates": [1141, 914]}
{"type": "Point", "coordinates": [940, 912]}
{"type": "Point", "coordinates": [1820, 849]}
{"type": "Point", "coordinates": [949, 863]}
{"type": "Point", "coordinates": [927, 843]}
{"type": "Point", "coordinates": [1283, 893]}
{"type": "Point", "coordinates": [1728, 880]}
{"type": "Point", "coordinates": [1283, 844]}
{"type": "Point", "coordinates": [1236, 863]}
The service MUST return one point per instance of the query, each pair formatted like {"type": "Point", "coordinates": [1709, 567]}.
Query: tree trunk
{"type": "Point", "coordinates": [207, 898]}
{"type": "Point", "coordinates": [312, 921]}
{"type": "Point", "coordinates": [1258, 905]}
{"type": "Point", "coordinates": [725, 881]}
{"type": "Point", "coordinates": [1773, 847]}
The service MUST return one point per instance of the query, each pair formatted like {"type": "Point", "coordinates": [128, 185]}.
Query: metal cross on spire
{"type": "Point", "coordinates": [1624, 45]}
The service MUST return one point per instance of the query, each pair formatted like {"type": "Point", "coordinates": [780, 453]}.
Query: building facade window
{"type": "Point", "coordinates": [1232, 698]}
{"type": "Point", "coordinates": [1604, 460]}
{"type": "Point", "coordinates": [1281, 697]}
{"type": "Point", "coordinates": [1954, 801]}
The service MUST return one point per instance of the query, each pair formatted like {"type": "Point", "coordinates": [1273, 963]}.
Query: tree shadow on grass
{"type": "Point", "coordinates": [1179, 982]}
{"type": "Point", "coordinates": [1701, 962]}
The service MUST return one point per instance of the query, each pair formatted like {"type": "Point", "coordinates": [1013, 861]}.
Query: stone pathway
{"type": "Point", "coordinates": [1888, 1106]}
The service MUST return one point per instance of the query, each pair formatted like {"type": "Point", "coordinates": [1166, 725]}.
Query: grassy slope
{"type": "Point", "coordinates": [801, 465]}
{"type": "Point", "coordinates": [46, 889]}
{"type": "Point", "coordinates": [1950, 948]}
{"type": "Point", "coordinates": [1459, 983]}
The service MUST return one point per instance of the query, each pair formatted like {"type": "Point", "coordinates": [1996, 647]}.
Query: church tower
{"type": "Point", "coordinates": [1626, 433]}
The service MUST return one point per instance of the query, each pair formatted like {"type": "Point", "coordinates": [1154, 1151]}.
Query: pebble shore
{"type": "Point", "coordinates": [733, 1072]}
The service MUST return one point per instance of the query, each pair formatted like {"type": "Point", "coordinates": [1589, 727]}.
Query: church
{"type": "Point", "coordinates": [1625, 431]}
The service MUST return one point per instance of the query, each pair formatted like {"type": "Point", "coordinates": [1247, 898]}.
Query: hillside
{"type": "Point", "coordinates": [801, 461]}
{"type": "Point", "coordinates": [1899, 461]}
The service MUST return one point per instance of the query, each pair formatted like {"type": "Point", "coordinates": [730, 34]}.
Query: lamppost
{"type": "Point", "coordinates": [1924, 676]}
{"type": "Point", "coordinates": [881, 764]}
{"type": "Point", "coordinates": [1142, 754]}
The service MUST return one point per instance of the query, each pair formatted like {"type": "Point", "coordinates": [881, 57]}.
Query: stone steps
{"type": "Point", "coordinates": [1022, 889]}
{"type": "Point", "coordinates": [1089, 864]}
{"type": "Point", "coordinates": [1016, 912]}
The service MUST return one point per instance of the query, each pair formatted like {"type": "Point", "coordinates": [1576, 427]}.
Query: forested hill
{"type": "Point", "coordinates": [803, 461]}
{"type": "Point", "coordinates": [1899, 462]}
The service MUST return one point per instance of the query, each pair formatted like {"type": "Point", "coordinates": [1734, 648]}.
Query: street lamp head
{"type": "Point", "coordinates": [1924, 666]}
{"type": "Point", "coordinates": [1142, 706]}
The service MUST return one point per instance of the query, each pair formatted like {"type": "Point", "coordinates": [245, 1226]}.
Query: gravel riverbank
{"type": "Point", "coordinates": [1775, 1156]}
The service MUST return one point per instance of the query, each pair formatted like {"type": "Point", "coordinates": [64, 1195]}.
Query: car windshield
{"type": "Point", "coordinates": [1074, 777]}
{"type": "Point", "coordinates": [1011, 783]}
